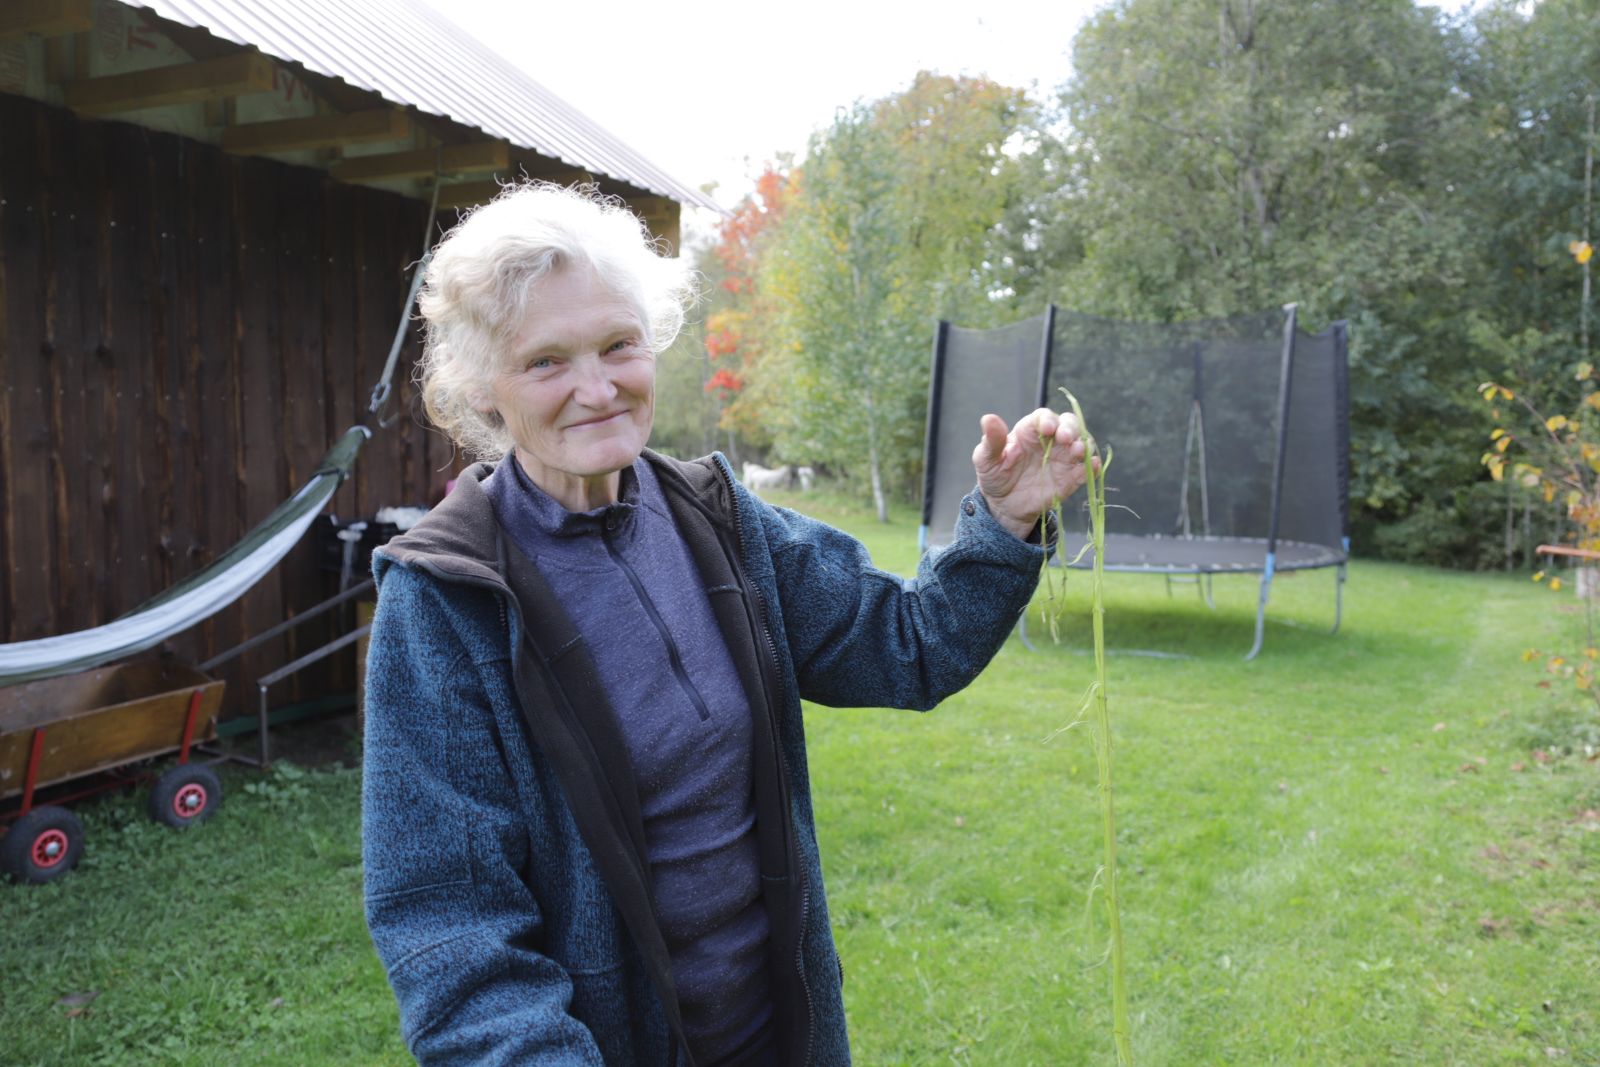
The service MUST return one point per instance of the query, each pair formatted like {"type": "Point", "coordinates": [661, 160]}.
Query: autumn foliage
{"type": "Point", "coordinates": [732, 328]}
{"type": "Point", "coordinates": [1558, 456]}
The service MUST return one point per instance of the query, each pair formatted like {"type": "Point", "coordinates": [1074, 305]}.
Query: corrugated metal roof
{"type": "Point", "coordinates": [411, 55]}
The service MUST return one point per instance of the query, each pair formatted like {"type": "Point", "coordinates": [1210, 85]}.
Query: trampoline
{"type": "Point", "coordinates": [1230, 438]}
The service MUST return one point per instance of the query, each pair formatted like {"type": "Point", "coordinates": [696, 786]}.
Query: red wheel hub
{"type": "Point", "coordinates": [189, 801]}
{"type": "Point", "coordinates": [50, 848]}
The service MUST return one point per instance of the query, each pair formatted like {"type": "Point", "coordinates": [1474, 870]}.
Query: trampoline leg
{"type": "Point", "coordinates": [1022, 631]}
{"type": "Point", "coordinates": [1210, 601]}
{"type": "Point", "coordinates": [1338, 600]}
{"type": "Point", "coordinates": [1261, 608]}
{"type": "Point", "coordinates": [1168, 577]}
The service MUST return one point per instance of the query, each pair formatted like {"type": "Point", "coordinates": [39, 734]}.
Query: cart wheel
{"type": "Point", "coordinates": [185, 794]}
{"type": "Point", "coordinates": [42, 846]}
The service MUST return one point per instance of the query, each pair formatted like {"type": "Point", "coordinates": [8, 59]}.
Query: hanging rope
{"type": "Point", "coordinates": [385, 387]}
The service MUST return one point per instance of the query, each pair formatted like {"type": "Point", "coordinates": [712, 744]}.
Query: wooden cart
{"type": "Point", "coordinates": [87, 730]}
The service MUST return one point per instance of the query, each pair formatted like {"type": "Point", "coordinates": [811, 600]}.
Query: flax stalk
{"type": "Point", "coordinates": [1101, 720]}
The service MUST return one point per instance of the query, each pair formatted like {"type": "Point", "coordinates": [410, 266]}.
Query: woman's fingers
{"type": "Point", "coordinates": [992, 444]}
{"type": "Point", "coordinates": [1011, 451]}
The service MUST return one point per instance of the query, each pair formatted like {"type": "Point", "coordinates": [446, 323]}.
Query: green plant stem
{"type": "Point", "coordinates": [1050, 610]}
{"type": "Point", "coordinates": [1101, 718]}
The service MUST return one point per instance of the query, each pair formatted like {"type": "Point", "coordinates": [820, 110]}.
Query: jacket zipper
{"type": "Point", "coordinates": [506, 600]}
{"type": "Point", "coordinates": [673, 655]}
{"type": "Point", "coordinates": [788, 816]}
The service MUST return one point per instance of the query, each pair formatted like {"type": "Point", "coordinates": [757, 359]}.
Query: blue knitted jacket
{"type": "Point", "coordinates": [505, 887]}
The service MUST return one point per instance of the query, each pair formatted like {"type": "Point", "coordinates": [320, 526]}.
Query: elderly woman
{"type": "Point", "coordinates": [588, 830]}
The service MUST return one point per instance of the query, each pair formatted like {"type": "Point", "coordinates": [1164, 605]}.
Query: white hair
{"type": "Point", "coordinates": [477, 288]}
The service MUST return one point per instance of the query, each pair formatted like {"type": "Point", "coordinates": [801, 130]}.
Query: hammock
{"type": "Point", "coordinates": [197, 597]}
{"type": "Point", "coordinates": [230, 575]}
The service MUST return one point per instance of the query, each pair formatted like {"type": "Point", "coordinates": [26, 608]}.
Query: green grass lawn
{"type": "Point", "coordinates": [1345, 852]}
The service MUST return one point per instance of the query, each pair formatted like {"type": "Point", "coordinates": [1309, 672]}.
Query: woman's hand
{"type": "Point", "coordinates": [1012, 475]}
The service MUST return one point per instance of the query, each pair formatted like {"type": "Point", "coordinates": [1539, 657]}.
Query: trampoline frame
{"type": "Point", "coordinates": [1195, 448]}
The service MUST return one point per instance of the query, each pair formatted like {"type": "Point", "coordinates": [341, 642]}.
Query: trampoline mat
{"type": "Point", "coordinates": [1199, 555]}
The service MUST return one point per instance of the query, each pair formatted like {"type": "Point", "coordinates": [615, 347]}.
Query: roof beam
{"type": "Point", "coordinates": [183, 83]}
{"type": "Point", "coordinates": [46, 18]}
{"type": "Point", "coordinates": [467, 194]}
{"type": "Point", "coordinates": [470, 194]}
{"type": "Point", "coordinates": [662, 216]}
{"type": "Point", "coordinates": [562, 175]}
{"type": "Point", "coordinates": [474, 157]}
{"type": "Point", "coordinates": [318, 131]}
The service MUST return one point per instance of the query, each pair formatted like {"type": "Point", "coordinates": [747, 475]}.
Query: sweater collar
{"type": "Point", "coordinates": [459, 539]}
{"type": "Point", "coordinates": [549, 519]}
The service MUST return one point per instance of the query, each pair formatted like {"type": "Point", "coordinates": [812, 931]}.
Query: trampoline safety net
{"type": "Point", "coordinates": [975, 372]}
{"type": "Point", "coordinates": [1229, 437]}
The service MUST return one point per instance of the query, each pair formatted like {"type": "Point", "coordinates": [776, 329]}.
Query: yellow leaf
{"type": "Point", "coordinates": [1538, 576]}
{"type": "Point", "coordinates": [1585, 370]}
{"type": "Point", "coordinates": [1502, 444]}
{"type": "Point", "coordinates": [1496, 434]}
{"type": "Point", "coordinates": [1497, 468]}
{"type": "Point", "coordinates": [1549, 492]}
{"type": "Point", "coordinates": [1573, 498]}
{"type": "Point", "coordinates": [1582, 681]}
{"type": "Point", "coordinates": [1555, 662]}
{"type": "Point", "coordinates": [1508, 394]}
{"type": "Point", "coordinates": [1592, 652]}
{"type": "Point", "coordinates": [1593, 400]}
{"type": "Point", "coordinates": [1555, 422]}
{"type": "Point", "coordinates": [1555, 585]}
{"type": "Point", "coordinates": [1581, 251]}
{"type": "Point", "coordinates": [1529, 654]}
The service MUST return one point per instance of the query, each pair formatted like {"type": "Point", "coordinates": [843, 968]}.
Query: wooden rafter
{"type": "Point", "coordinates": [662, 215]}
{"type": "Point", "coordinates": [475, 157]}
{"type": "Point", "coordinates": [45, 18]}
{"type": "Point", "coordinates": [319, 131]}
{"type": "Point", "coordinates": [561, 175]}
{"type": "Point", "coordinates": [467, 194]}
{"type": "Point", "coordinates": [183, 83]}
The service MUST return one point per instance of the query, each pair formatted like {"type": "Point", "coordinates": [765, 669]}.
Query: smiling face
{"type": "Point", "coordinates": [578, 391]}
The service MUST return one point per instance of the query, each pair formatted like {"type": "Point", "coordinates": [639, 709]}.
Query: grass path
{"type": "Point", "coordinates": [1328, 857]}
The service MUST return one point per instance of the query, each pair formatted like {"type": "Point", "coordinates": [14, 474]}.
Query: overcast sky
{"type": "Point", "coordinates": [713, 96]}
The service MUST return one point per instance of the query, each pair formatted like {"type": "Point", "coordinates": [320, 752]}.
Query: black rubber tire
{"type": "Point", "coordinates": [185, 794]}
{"type": "Point", "coordinates": [42, 846]}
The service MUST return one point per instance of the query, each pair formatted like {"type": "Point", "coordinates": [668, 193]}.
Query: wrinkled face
{"type": "Point", "coordinates": [577, 392]}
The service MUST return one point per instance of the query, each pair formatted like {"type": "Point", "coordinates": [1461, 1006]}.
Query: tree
{"type": "Point", "coordinates": [891, 227]}
{"type": "Point", "coordinates": [1236, 155]}
{"type": "Point", "coordinates": [737, 310]}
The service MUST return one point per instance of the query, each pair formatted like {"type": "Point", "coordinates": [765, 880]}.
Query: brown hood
{"type": "Point", "coordinates": [460, 537]}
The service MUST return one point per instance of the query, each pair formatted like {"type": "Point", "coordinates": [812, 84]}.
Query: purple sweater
{"type": "Point", "coordinates": [626, 578]}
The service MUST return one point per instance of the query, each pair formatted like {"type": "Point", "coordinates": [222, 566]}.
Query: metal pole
{"type": "Point", "coordinates": [930, 453]}
{"type": "Point", "coordinates": [1200, 445]}
{"type": "Point", "coordinates": [1285, 382]}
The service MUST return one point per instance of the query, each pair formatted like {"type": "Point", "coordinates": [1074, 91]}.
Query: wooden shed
{"type": "Point", "coordinates": [208, 212]}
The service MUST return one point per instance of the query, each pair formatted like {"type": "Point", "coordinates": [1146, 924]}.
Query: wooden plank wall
{"type": "Point", "coordinates": [182, 335]}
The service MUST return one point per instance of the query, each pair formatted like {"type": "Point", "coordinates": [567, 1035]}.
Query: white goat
{"type": "Point", "coordinates": [757, 477]}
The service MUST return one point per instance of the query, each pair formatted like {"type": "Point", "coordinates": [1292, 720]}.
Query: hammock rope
{"type": "Point", "coordinates": [382, 390]}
